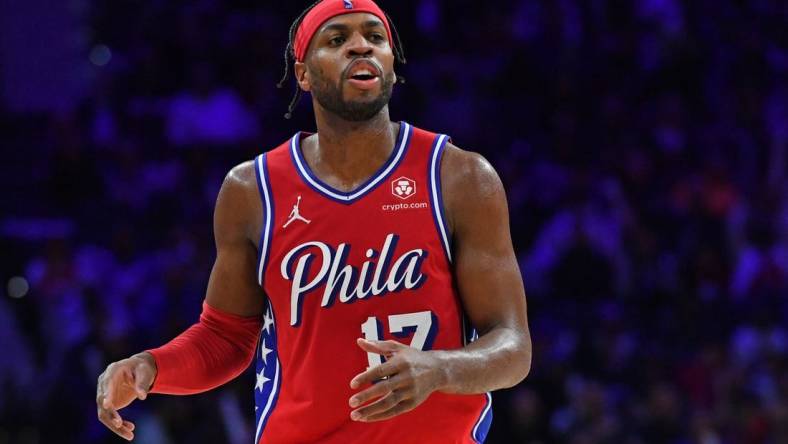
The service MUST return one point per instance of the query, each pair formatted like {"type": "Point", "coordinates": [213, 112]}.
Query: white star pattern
{"type": "Point", "coordinates": [268, 321]}
{"type": "Point", "coordinates": [265, 350]}
{"type": "Point", "coordinates": [266, 371]}
{"type": "Point", "coordinates": [261, 380]}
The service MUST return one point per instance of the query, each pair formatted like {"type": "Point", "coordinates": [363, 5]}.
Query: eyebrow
{"type": "Point", "coordinates": [344, 27]}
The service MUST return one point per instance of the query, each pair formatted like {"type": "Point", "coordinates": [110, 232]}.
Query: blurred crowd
{"type": "Point", "coordinates": [643, 146]}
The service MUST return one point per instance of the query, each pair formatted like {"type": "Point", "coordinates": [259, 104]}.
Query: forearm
{"type": "Point", "coordinates": [207, 355]}
{"type": "Point", "coordinates": [501, 358]}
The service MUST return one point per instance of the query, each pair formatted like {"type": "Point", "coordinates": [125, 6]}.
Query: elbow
{"type": "Point", "coordinates": [526, 354]}
{"type": "Point", "coordinates": [526, 368]}
{"type": "Point", "coordinates": [521, 362]}
{"type": "Point", "coordinates": [523, 370]}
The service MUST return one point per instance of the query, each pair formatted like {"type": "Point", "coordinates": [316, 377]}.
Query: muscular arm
{"type": "Point", "coordinates": [221, 345]}
{"type": "Point", "coordinates": [237, 224]}
{"type": "Point", "coordinates": [488, 278]}
{"type": "Point", "coordinates": [492, 295]}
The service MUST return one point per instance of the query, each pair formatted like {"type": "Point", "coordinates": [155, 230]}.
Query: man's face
{"type": "Point", "coordinates": [349, 67]}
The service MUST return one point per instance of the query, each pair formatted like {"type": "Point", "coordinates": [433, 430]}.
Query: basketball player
{"type": "Point", "coordinates": [354, 265]}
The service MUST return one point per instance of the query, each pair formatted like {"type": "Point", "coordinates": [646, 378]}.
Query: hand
{"type": "Point", "coordinates": [410, 376]}
{"type": "Point", "coordinates": [120, 384]}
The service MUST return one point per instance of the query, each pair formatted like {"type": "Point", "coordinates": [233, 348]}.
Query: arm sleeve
{"type": "Point", "coordinates": [208, 354]}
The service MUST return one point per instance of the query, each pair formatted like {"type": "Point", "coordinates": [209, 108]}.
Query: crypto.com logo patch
{"type": "Point", "coordinates": [403, 187]}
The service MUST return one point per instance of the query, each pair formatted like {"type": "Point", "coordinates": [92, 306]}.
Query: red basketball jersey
{"type": "Point", "coordinates": [374, 262]}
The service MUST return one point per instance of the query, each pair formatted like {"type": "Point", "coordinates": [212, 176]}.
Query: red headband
{"type": "Point", "coordinates": [327, 9]}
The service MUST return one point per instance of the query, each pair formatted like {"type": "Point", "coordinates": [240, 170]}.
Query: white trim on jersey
{"type": "Point", "coordinates": [482, 418]}
{"type": "Point", "coordinates": [436, 198]}
{"type": "Point", "coordinates": [371, 184]}
{"type": "Point", "coordinates": [268, 216]}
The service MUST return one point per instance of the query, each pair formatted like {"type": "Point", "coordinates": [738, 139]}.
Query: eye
{"type": "Point", "coordinates": [376, 37]}
{"type": "Point", "coordinates": [336, 41]}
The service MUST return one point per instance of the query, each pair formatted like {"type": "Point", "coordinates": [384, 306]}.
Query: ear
{"type": "Point", "coordinates": [302, 76]}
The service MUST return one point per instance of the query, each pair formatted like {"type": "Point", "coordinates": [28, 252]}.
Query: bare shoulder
{"type": "Point", "coordinates": [242, 177]}
{"type": "Point", "coordinates": [467, 169]}
{"type": "Point", "coordinates": [238, 205]}
{"type": "Point", "coordinates": [469, 184]}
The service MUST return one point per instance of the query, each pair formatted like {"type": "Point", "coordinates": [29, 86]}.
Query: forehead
{"type": "Point", "coordinates": [351, 20]}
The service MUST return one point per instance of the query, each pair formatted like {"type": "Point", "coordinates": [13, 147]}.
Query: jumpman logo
{"type": "Point", "coordinates": [295, 215]}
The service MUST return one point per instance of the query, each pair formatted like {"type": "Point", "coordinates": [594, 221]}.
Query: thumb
{"type": "Point", "coordinates": [143, 379]}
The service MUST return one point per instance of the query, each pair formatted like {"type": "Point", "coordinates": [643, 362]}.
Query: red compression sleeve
{"type": "Point", "coordinates": [208, 354]}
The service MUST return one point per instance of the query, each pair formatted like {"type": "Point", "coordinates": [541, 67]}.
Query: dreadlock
{"type": "Point", "coordinates": [399, 54]}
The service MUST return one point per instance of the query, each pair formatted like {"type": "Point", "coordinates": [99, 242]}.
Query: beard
{"type": "Point", "coordinates": [331, 97]}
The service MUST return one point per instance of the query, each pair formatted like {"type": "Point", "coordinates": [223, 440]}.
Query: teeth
{"type": "Point", "coordinates": [363, 72]}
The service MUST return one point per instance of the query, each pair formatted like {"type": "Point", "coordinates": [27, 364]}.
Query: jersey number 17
{"type": "Point", "coordinates": [422, 324]}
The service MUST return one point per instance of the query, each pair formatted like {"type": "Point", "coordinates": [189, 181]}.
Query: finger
{"type": "Point", "coordinates": [385, 348]}
{"type": "Point", "coordinates": [110, 417]}
{"type": "Point", "coordinates": [376, 391]}
{"type": "Point", "coordinates": [104, 417]}
{"type": "Point", "coordinates": [128, 435]}
{"type": "Point", "coordinates": [115, 418]}
{"type": "Point", "coordinates": [381, 405]}
{"type": "Point", "coordinates": [124, 430]}
{"type": "Point", "coordinates": [372, 374]}
{"type": "Point", "coordinates": [404, 406]}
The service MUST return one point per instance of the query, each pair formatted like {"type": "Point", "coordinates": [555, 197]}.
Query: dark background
{"type": "Point", "coordinates": [642, 146]}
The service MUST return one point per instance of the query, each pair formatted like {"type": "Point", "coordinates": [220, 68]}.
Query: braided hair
{"type": "Point", "coordinates": [399, 54]}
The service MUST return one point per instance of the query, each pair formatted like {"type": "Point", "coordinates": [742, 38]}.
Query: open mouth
{"type": "Point", "coordinates": [363, 76]}
{"type": "Point", "coordinates": [363, 70]}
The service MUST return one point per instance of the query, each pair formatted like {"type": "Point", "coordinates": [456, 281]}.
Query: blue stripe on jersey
{"type": "Point", "coordinates": [268, 373]}
{"type": "Point", "coordinates": [264, 186]}
{"type": "Point", "coordinates": [436, 194]}
{"type": "Point", "coordinates": [400, 148]}
{"type": "Point", "coordinates": [469, 333]}
{"type": "Point", "coordinates": [482, 427]}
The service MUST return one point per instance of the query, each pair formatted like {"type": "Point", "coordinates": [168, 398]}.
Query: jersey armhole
{"type": "Point", "coordinates": [436, 194]}
{"type": "Point", "coordinates": [264, 186]}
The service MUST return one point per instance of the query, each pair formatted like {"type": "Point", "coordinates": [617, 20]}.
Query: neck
{"type": "Point", "coordinates": [344, 153]}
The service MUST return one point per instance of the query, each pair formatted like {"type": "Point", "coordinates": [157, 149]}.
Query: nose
{"type": "Point", "coordinates": [359, 46]}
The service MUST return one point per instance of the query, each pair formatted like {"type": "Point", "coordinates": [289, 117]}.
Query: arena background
{"type": "Point", "coordinates": [642, 146]}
